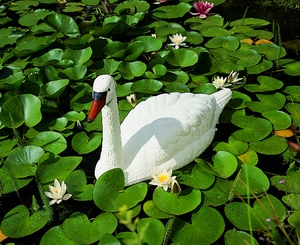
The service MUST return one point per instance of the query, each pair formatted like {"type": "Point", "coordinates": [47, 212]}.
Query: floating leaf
{"type": "Point", "coordinates": [32, 18]}
{"type": "Point", "coordinates": [289, 184]}
{"type": "Point", "coordinates": [254, 128]}
{"type": "Point", "coordinates": [20, 109]}
{"type": "Point", "coordinates": [151, 210]}
{"type": "Point", "coordinates": [271, 146]}
{"type": "Point", "coordinates": [18, 222]}
{"type": "Point", "coordinates": [206, 227]}
{"type": "Point", "coordinates": [109, 194]}
{"type": "Point", "coordinates": [129, 70]}
{"type": "Point", "coordinates": [279, 119]}
{"type": "Point", "coordinates": [225, 164]}
{"type": "Point", "coordinates": [294, 93]}
{"type": "Point", "coordinates": [270, 50]}
{"type": "Point", "coordinates": [286, 133]}
{"type": "Point", "coordinates": [54, 89]}
{"type": "Point", "coordinates": [266, 84]}
{"type": "Point", "coordinates": [172, 11]}
{"type": "Point", "coordinates": [264, 65]}
{"type": "Point", "coordinates": [233, 237]}
{"type": "Point", "coordinates": [247, 57]}
{"type": "Point", "coordinates": [268, 102]}
{"type": "Point", "coordinates": [229, 43]}
{"type": "Point", "coordinates": [78, 187]}
{"type": "Point", "coordinates": [55, 235]}
{"type": "Point", "coordinates": [214, 31]}
{"type": "Point", "coordinates": [76, 72]}
{"type": "Point", "coordinates": [83, 144]}
{"type": "Point", "coordinates": [234, 146]}
{"type": "Point", "coordinates": [79, 228]}
{"type": "Point", "coordinates": [151, 44]}
{"type": "Point", "coordinates": [249, 22]}
{"type": "Point", "coordinates": [251, 179]}
{"type": "Point", "coordinates": [171, 203]}
{"type": "Point", "coordinates": [64, 24]}
{"type": "Point", "coordinates": [151, 231]}
{"type": "Point", "coordinates": [79, 56]}
{"type": "Point", "coordinates": [250, 157]}
{"type": "Point", "coordinates": [292, 69]}
{"type": "Point", "coordinates": [148, 86]}
{"type": "Point", "coordinates": [177, 87]}
{"type": "Point", "coordinates": [182, 57]}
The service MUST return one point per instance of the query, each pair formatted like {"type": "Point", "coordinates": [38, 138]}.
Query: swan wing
{"type": "Point", "coordinates": [160, 128]}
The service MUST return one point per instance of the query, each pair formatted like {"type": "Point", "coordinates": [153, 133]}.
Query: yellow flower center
{"type": "Point", "coordinates": [163, 177]}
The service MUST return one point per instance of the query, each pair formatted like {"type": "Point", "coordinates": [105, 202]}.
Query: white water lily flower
{"type": "Point", "coordinates": [177, 40]}
{"type": "Point", "coordinates": [220, 82]}
{"type": "Point", "coordinates": [57, 192]}
{"type": "Point", "coordinates": [131, 99]}
{"type": "Point", "coordinates": [233, 78]}
{"type": "Point", "coordinates": [163, 179]}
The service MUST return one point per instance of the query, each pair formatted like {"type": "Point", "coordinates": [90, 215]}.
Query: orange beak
{"type": "Point", "coordinates": [97, 104]}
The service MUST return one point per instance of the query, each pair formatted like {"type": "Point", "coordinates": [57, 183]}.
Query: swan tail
{"type": "Point", "coordinates": [222, 97]}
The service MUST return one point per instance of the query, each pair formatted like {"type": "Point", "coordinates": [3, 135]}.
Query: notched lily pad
{"type": "Point", "coordinates": [266, 84]}
{"type": "Point", "coordinates": [83, 144]}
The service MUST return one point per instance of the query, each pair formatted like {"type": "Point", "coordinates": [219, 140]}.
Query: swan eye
{"type": "Point", "coordinates": [108, 89]}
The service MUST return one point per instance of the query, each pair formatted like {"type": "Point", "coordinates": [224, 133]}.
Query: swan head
{"type": "Point", "coordinates": [104, 91]}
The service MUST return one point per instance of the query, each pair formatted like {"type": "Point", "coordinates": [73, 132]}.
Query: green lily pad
{"type": "Point", "coordinates": [147, 86]}
{"type": "Point", "coordinates": [105, 66]}
{"type": "Point", "coordinates": [182, 57]}
{"type": "Point", "coordinates": [279, 119]}
{"type": "Point", "coordinates": [55, 235]}
{"type": "Point", "coordinates": [171, 203]}
{"type": "Point", "coordinates": [229, 43]}
{"type": "Point", "coordinates": [109, 239]}
{"type": "Point", "coordinates": [83, 144]}
{"type": "Point", "coordinates": [262, 66]}
{"type": "Point", "coordinates": [247, 57]}
{"type": "Point", "coordinates": [214, 31]}
{"type": "Point", "coordinates": [19, 223]}
{"type": "Point", "coordinates": [64, 24]}
{"type": "Point", "coordinates": [50, 58]}
{"type": "Point", "coordinates": [266, 84]}
{"type": "Point", "coordinates": [79, 56]}
{"type": "Point", "coordinates": [151, 210]}
{"type": "Point", "coordinates": [294, 93]}
{"type": "Point", "coordinates": [76, 72]}
{"type": "Point", "coordinates": [21, 161]}
{"type": "Point", "coordinates": [198, 178]}
{"type": "Point", "coordinates": [293, 200]}
{"type": "Point", "coordinates": [249, 22]}
{"type": "Point", "coordinates": [6, 146]}
{"type": "Point", "coordinates": [80, 229]}
{"type": "Point", "coordinates": [268, 102]}
{"type": "Point", "coordinates": [124, 90]}
{"type": "Point", "coordinates": [176, 87]}
{"type": "Point", "coordinates": [109, 194]}
{"type": "Point", "coordinates": [151, 44]}
{"type": "Point", "coordinates": [50, 141]}
{"type": "Point", "coordinates": [21, 109]}
{"type": "Point", "coordinates": [129, 70]}
{"type": "Point", "coordinates": [172, 11]}
{"type": "Point", "coordinates": [12, 78]}
{"type": "Point", "coordinates": [254, 128]}
{"type": "Point", "coordinates": [250, 157]}
{"type": "Point", "coordinates": [8, 36]}
{"type": "Point", "coordinates": [267, 207]}
{"type": "Point", "coordinates": [234, 146]}
{"type": "Point", "coordinates": [233, 237]}
{"type": "Point", "coordinates": [134, 50]}
{"type": "Point", "coordinates": [270, 50]}
{"type": "Point", "coordinates": [251, 178]}
{"type": "Point", "coordinates": [151, 231]}
{"type": "Point", "coordinates": [271, 146]}
{"type": "Point", "coordinates": [77, 186]}
{"type": "Point", "coordinates": [32, 18]}
{"type": "Point", "coordinates": [225, 164]}
{"type": "Point", "coordinates": [292, 69]}
{"type": "Point", "coordinates": [206, 227]}
{"type": "Point", "coordinates": [294, 221]}
{"type": "Point", "coordinates": [55, 168]}
{"type": "Point", "coordinates": [294, 109]}
{"type": "Point", "coordinates": [54, 89]}
{"type": "Point", "coordinates": [289, 184]}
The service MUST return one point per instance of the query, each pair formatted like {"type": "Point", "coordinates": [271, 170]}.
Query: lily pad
{"type": "Point", "coordinates": [79, 228]}
{"type": "Point", "coordinates": [279, 119]}
{"type": "Point", "coordinates": [206, 227]}
{"type": "Point", "coordinates": [171, 203]}
{"type": "Point", "coordinates": [151, 210]}
{"type": "Point", "coordinates": [21, 109]}
{"type": "Point", "coordinates": [234, 146]}
{"type": "Point", "coordinates": [292, 69]}
{"type": "Point", "coordinates": [270, 50]}
{"type": "Point", "coordinates": [19, 223]}
{"type": "Point", "coordinates": [182, 57]}
{"type": "Point", "coordinates": [271, 146]}
{"type": "Point", "coordinates": [83, 144]}
{"type": "Point", "coordinates": [172, 11]}
{"type": "Point", "coordinates": [129, 70]}
{"type": "Point", "coordinates": [110, 195]}
{"type": "Point", "coordinates": [233, 237]}
{"type": "Point", "coordinates": [254, 128]}
{"type": "Point", "coordinates": [262, 66]}
{"type": "Point", "coordinates": [266, 84]}
{"type": "Point", "coordinates": [268, 102]}
{"type": "Point", "coordinates": [228, 43]}
{"type": "Point", "coordinates": [151, 231]}
{"type": "Point", "coordinates": [78, 187]}
{"type": "Point", "coordinates": [294, 93]}
{"type": "Point", "coordinates": [147, 86]}
{"type": "Point", "coordinates": [55, 235]}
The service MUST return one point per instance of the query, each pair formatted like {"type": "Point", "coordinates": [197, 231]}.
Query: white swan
{"type": "Point", "coordinates": [164, 132]}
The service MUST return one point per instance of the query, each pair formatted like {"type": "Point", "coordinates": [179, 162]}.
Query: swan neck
{"type": "Point", "coordinates": [111, 154]}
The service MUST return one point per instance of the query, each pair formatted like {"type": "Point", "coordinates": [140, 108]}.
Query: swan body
{"type": "Point", "coordinates": [164, 132]}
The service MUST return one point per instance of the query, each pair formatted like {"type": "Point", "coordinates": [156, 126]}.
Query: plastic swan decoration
{"type": "Point", "coordinates": [164, 132]}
